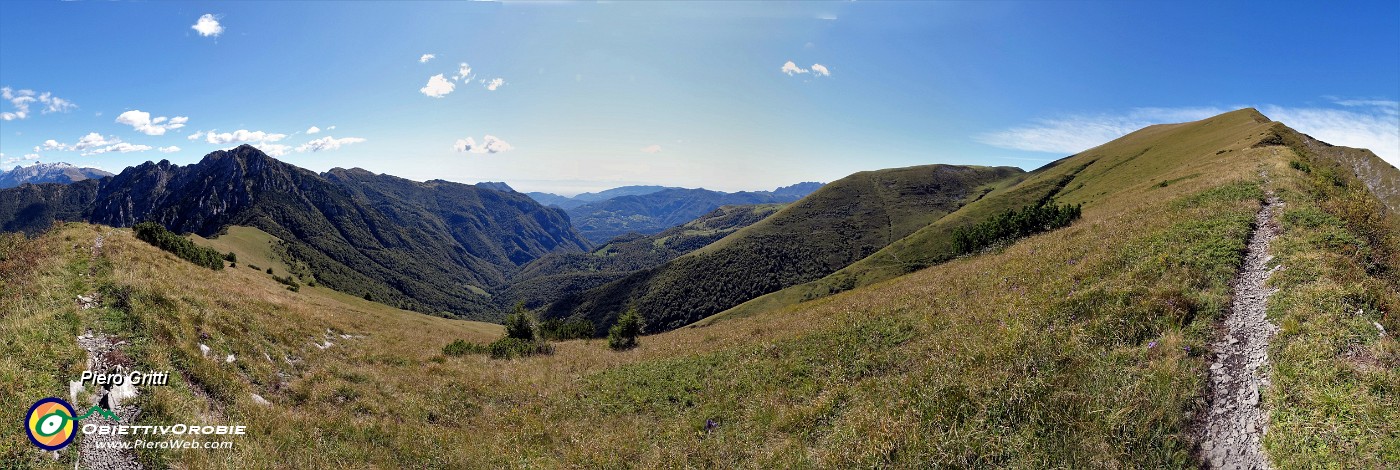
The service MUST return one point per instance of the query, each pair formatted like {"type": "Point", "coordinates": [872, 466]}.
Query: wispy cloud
{"type": "Point", "coordinates": [328, 143]}
{"type": "Point", "coordinates": [1374, 126]}
{"type": "Point", "coordinates": [819, 69]}
{"type": "Point", "coordinates": [653, 148]}
{"type": "Point", "coordinates": [238, 136]}
{"type": "Point", "coordinates": [170, 149]}
{"type": "Point", "coordinates": [143, 123]}
{"type": "Point", "coordinates": [438, 86]}
{"type": "Point", "coordinates": [1369, 124]}
{"type": "Point", "coordinates": [489, 144]}
{"type": "Point", "coordinates": [495, 83]}
{"type": "Point", "coordinates": [1073, 133]}
{"type": "Point", "coordinates": [426, 57]}
{"type": "Point", "coordinates": [208, 25]}
{"type": "Point", "coordinates": [94, 144]}
{"type": "Point", "coordinates": [22, 99]}
{"type": "Point", "coordinates": [313, 130]}
{"type": "Point", "coordinates": [791, 68]}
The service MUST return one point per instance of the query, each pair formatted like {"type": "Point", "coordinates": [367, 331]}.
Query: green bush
{"type": "Point", "coordinates": [623, 334]}
{"type": "Point", "coordinates": [462, 348]}
{"type": "Point", "coordinates": [519, 326]}
{"type": "Point", "coordinates": [1013, 224]}
{"type": "Point", "coordinates": [231, 257]}
{"type": "Point", "coordinates": [509, 348]}
{"type": "Point", "coordinates": [156, 234]}
{"type": "Point", "coordinates": [555, 329]}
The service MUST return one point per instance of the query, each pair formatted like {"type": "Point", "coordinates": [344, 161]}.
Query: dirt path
{"type": "Point", "coordinates": [105, 356]}
{"type": "Point", "coordinates": [1232, 432]}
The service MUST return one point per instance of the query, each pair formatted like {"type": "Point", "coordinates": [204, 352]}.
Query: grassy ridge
{"type": "Point", "coordinates": [1146, 161]}
{"type": "Point", "coordinates": [1336, 380]}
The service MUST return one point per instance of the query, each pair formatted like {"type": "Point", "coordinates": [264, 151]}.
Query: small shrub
{"type": "Point", "coordinates": [462, 348]}
{"type": "Point", "coordinates": [555, 329]}
{"type": "Point", "coordinates": [509, 348]}
{"type": "Point", "coordinates": [269, 270]}
{"type": "Point", "coordinates": [231, 257]}
{"type": "Point", "coordinates": [623, 334]}
{"type": "Point", "coordinates": [519, 326]}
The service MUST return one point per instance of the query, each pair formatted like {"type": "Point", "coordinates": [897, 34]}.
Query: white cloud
{"type": "Point", "coordinates": [1070, 134]}
{"type": "Point", "coordinates": [142, 122]}
{"type": "Point", "coordinates": [438, 87]}
{"type": "Point", "coordinates": [22, 99]}
{"type": "Point", "coordinates": [489, 144]}
{"type": "Point", "coordinates": [1369, 124]}
{"type": "Point", "coordinates": [274, 150]}
{"type": "Point", "coordinates": [495, 83]}
{"type": "Point", "coordinates": [196, 136]}
{"type": "Point", "coordinates": [207, 26]}
{"type": "Point", "coordinates": [32, 156]}
{"type": "Point", "coordinates": [170, 149]}
{"type": "Point", "coordinates": [327, 143]}
{"type": "Point", "coordinates": [653, 148]}
{"type": "Point", "coordinates": [52, 145]}
{"type": "Point", "coordinates": [464, 72]}
{"type": "Point", "coordinates": [96, 144]}
{"type": "Point", "coordinates": [426, 58]}
{"type": "Point", "coordinates": [819, 69]}
{"type": "Point", "coordinates": [241, 135]}
{"type": "Point", "coordinates": [313, 130]}
{"type": "Point", "coordinates": [791, 68]}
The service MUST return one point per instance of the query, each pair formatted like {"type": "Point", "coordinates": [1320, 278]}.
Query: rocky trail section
{"type": "Point", "coordinates": [1231, 433]}
{"type": "Point", "coordinates": [105, 356]}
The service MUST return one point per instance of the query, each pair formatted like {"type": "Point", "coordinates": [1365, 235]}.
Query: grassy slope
{"type": "Point", "coordinates": [1082, 347]}
{"type": "Point", "coordinates": [842, 222]}
{"type": "Point", "coordinates": [1336, 380]}
{"type": "Point", "coordinates": [162, 305]}
{"type": "Point", "coordinates": [253, 247]}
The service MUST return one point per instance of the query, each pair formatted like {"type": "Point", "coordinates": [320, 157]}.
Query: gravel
{"type": "Point", "coordinates": [1231, 432]}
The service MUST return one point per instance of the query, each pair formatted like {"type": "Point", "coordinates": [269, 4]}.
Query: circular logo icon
{"type": "Point", "coordinates": [50, 423]}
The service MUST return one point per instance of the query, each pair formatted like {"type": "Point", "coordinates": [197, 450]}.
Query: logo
{"type": "Point", "coordinates": [50, 423]}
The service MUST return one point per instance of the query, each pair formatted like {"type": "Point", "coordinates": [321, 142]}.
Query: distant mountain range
{"type": "Point", "coordinates": [655, 211]}
{"type": "Point", "coordinates": [48, 173]}
{"type": "Point", "coordinates": [567, 202]}
{"type": "Point", "coordinates": [433, 247]}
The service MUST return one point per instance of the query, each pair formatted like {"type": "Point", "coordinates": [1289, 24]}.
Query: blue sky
{"type": "Point", "coordinates": [592, 96]}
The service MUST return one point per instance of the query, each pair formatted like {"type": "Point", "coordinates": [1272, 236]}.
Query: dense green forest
{"type": "Point", "coordinates": [155, 234]}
